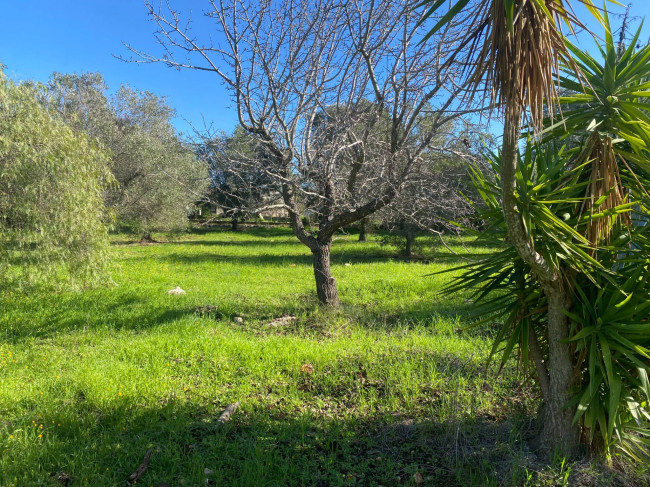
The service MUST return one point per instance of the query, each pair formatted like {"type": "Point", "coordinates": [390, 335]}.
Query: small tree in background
{"type": "Point", "coordinates": [238, 185]}
{"type": "Point", "coordinates": [52, 216]}
{"type": "Point", "coordinates": [438, 196]}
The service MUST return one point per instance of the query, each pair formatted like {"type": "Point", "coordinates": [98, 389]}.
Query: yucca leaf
{"type": "Point", "coordinates": [453, 11]}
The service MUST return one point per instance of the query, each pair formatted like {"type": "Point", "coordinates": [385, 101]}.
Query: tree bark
{"type": "Point", "coordinates": [408, 250]}
{"type": "Point", "coordinates": [363, 223]}
{"type": "Point", "coordinates": [325, 283]}
{"type": "Point", "coordinates": [234, 223]}
{"type": "Point", "coordinates": [559, 434]}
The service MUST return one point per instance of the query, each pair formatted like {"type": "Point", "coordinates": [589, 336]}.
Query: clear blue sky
{"type": "Point", "coordinates": [38, 37]}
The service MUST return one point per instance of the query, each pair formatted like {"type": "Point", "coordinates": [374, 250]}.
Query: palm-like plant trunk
{"type": "Point", "coordinates": [559, 434]}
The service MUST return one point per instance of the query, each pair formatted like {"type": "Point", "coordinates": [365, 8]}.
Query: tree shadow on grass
{"type": "Point", "coordinates": [53, 315]}
{"type": "Point", "coordinates": [272, 444]}
{"type": "Point", "coordinates": [338, 257]}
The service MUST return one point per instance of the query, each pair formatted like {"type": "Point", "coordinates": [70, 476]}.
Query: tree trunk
{"type": "Point", "coordinates": [409, 234]}
{"type": "Point", "coordinates": [234, 223]}
{"type": "Point", "coordinates": [363, 223]}
{"type": "Point", "coordinates": [325, 283]}
{"type": "Point", "coordinates": [410, 240]}
{"type": "Point", "coordinates": [559, 434]}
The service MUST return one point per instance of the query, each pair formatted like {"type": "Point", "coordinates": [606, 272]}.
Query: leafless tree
{"type": "Point", "coordinates": [439, 195]}
{"type": "Point", "coordinates": [239, 184]}
{"type": "Point", "coordinates": [334, 89]}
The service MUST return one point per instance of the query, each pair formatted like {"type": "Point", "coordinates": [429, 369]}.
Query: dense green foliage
{"type": "Point", "coordinates": [158, 176]}
{"type": "Point", "coordinates": [52, 218]}
{"type": "Point", "coordinates": [586, 210]}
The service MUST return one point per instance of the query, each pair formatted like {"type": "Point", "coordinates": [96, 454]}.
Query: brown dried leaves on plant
{"type": "Point", "coordinates": [605, 191]}
{"type": "Point", "coordinates": [518, 63]}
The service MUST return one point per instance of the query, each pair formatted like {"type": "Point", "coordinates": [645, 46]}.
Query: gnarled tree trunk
{"type": "Point", "coordinates": [325, 283]}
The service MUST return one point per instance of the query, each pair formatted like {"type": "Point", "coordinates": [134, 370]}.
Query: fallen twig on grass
{"type": "Point", "coordinates": [228, 412]}
{"type": "Point", "coordinates": [135, 476]}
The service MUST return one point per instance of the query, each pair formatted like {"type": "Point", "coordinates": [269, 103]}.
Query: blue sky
{"type": "Point", "coordinates": [38, 37]}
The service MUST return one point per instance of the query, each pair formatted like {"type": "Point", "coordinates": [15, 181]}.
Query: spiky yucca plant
{"type": "Point", "coordinates": [609, 307]}
{"type": "Point", "coordinates": [515, 49]}
{"type": "Point", "coordinates": [577, 209]}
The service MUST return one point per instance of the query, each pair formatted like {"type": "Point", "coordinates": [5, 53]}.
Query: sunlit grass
{"type": "Point", "coordinates": [389, 387]}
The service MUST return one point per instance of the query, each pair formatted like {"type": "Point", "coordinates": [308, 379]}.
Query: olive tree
{"type": "Point", "coordinates": [334, 91]}
{"type": "Point", "coordinates": [158, 175]}
{"type": "Point", "coordinates": [52, 218]}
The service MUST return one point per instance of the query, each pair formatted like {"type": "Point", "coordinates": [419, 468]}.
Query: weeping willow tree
{"type": "Point", "coordinates": [517, 51]}
{"type": "Point", "coordinates": [52, 217]}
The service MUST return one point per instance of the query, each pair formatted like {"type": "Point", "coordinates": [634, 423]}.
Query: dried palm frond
{"type": "Point", "coordinates": [521, 46]}
{"type": "Point", "coordinates": [513, 49]}
{"type": "Point", "coordinates": [605, 191]}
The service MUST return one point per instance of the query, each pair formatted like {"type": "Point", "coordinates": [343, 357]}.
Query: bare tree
{"type": "Point", "coordinates": [239, 184]}
{"type": "Point", "coordinates": [333, 89]}
{"type": "Point", "coordinates": [439, 195]}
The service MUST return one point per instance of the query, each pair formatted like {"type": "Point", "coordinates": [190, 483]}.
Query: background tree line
{"type": "Point", "coordinates": [76, 162]}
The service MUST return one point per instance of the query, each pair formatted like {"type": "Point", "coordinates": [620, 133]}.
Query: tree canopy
{"type": "Point", "coordinates": [159, 177]}
{"type": "Point", "coordinates": [53, 223]}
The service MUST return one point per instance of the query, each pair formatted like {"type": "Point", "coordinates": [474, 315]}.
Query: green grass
{"type": "Point", "coordinates": [90, 381]}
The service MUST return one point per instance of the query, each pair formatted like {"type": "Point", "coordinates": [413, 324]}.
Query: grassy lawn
{"type": "Point", "coordinates": [388, 391]}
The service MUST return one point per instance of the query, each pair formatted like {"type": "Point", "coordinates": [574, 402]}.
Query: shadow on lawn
{"type": "Point", "coordinates": [341, 255]}
{"type": "Point", "coordinates": [270, 445]}
{"type": "Point", "coordinates": [61, 314]}
{"type": "Point", "coordinates": [121, 310]}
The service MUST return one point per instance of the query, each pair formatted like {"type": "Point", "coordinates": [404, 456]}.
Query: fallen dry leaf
{"type": "Point", "coordinates": [307, 369]}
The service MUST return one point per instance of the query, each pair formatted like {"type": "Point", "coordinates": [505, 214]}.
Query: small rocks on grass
{"type": "Point", "coordinates": [176, 291]}
{"type": "Point", "coordinates": [238, 319]}
{"type": "Point", "coordinates": [418, 478]}
{"type": "Point", "coordinates": [282, 320]}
